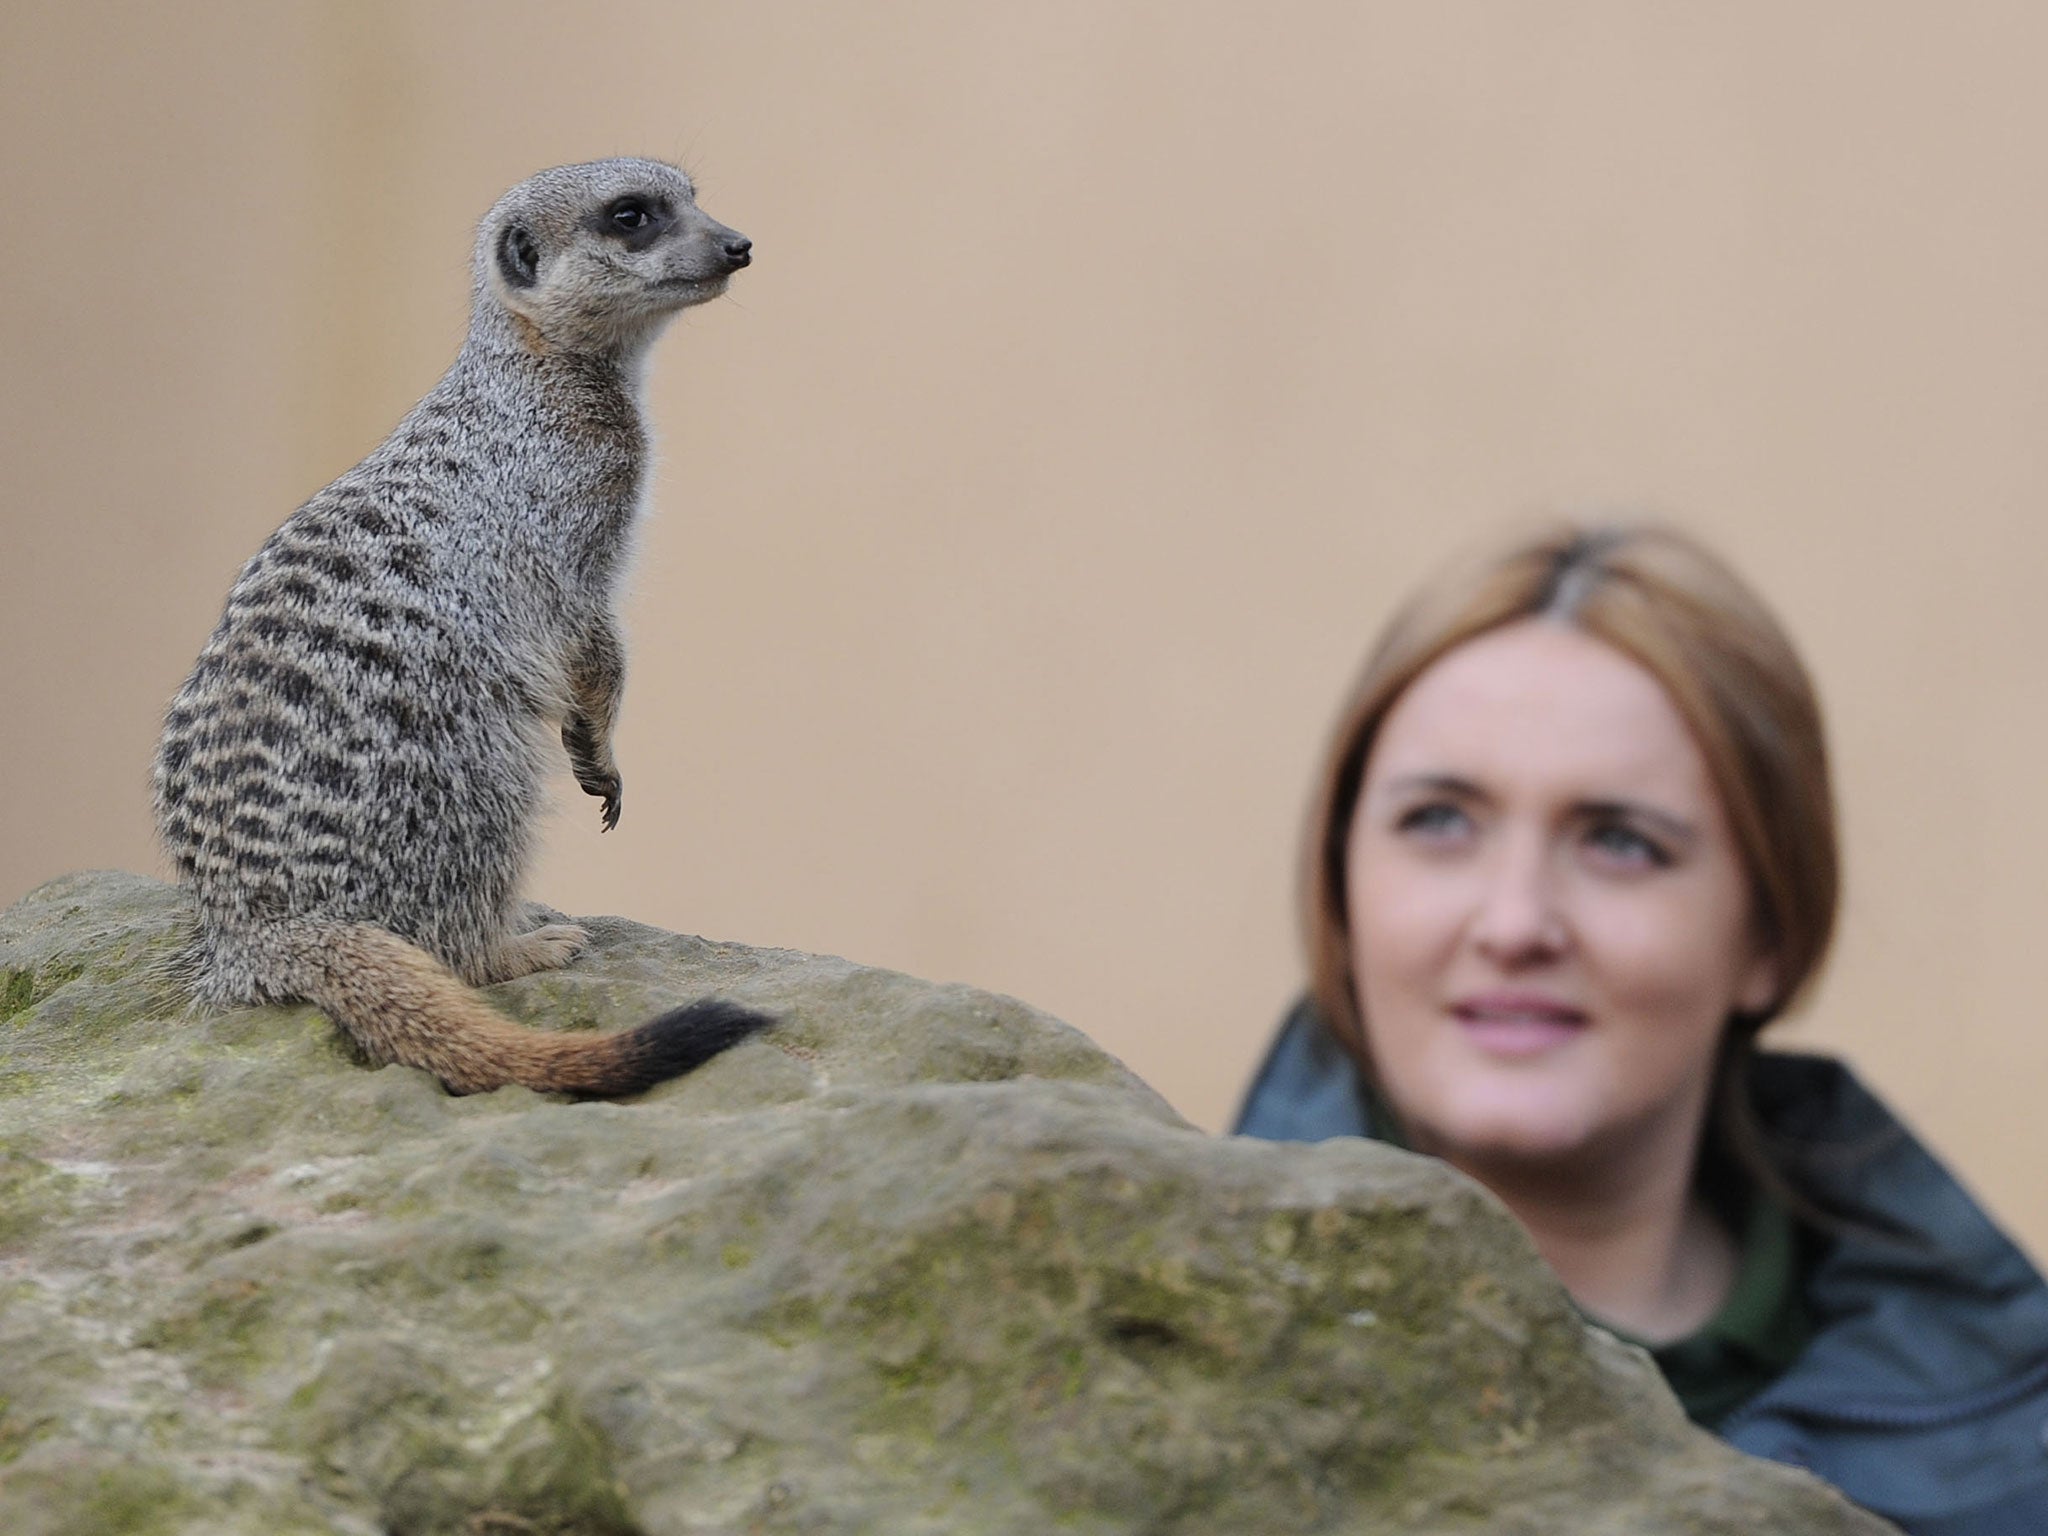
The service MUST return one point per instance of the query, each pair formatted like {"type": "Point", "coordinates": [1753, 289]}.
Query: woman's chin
{"type": "Point", "coordinates": [1522, 1127]}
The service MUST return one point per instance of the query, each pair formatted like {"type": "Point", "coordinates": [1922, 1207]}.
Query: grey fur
{"type": "Point", "coordinates": [364, 738]}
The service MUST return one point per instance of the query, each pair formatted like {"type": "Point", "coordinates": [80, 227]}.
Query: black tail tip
{"type": "Point", "coordinates": [685, 1038]}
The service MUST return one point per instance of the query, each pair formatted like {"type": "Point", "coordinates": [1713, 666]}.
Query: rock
{"type": "Point", "coordinates": [919, 1260]}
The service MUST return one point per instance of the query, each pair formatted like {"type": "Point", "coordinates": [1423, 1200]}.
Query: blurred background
{"type": "Point", "coordinates": [1106, 373]}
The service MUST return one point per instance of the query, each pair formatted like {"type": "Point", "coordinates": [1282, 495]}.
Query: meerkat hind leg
{"type": "Point", "coordinates": [547, 948]}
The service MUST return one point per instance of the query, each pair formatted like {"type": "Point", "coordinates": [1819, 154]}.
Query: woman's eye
{"type": "Point", "coordinates": [1437, 819]}
{"type": "Point", "coordinates": [1625, 845]}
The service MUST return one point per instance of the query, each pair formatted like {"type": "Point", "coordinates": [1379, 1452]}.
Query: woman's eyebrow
{"type": "Point", "coordinates": [1672, 825]}
{"type": "Point", "coordinates": [1433, 784]}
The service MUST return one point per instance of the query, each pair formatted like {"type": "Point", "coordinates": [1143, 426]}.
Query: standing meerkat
{"type": "Point", "coordinates": [349, 779]}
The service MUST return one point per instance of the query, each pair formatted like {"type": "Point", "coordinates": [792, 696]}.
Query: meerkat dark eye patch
{"type": "Point", "coordinates": [518, 257]}
{"type": "Point", "coordinates": [635, 220]}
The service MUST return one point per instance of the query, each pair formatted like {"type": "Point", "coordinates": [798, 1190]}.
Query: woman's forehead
{"type": "Point", "coordinates": [1541, 705]}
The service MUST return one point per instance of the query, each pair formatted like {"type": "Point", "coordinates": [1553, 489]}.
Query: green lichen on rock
{"type": "Point", "coordinates": [919, 1260]}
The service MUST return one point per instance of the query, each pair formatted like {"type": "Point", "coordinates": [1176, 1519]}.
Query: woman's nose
{"type": "Point", "coordinates": [1519, 917]}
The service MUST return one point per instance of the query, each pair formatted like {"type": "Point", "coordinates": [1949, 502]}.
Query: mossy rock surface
{"type": "Point", "coordinates": [919, 1260]}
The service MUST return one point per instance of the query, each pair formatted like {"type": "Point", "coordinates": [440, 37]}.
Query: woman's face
{"type": "Point", "coordinates": [1550, 923]}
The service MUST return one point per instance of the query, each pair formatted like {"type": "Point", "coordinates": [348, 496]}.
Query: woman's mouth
{"type": "Point", "coordinates": [1517, 1024]}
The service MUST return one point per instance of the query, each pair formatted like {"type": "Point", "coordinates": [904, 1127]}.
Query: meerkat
{"type": "Point", "coordinates": [349, 780]}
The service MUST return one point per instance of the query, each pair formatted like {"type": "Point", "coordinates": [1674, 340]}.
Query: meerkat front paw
{"type": "Point", "coordinates": [608, 788]}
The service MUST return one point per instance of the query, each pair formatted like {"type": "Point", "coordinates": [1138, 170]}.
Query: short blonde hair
{"type": "Point", "coordinates": [1661, 599]}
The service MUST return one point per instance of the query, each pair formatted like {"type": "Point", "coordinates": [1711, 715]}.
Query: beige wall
{"type": "Point", "coordinates": [1106, 372]}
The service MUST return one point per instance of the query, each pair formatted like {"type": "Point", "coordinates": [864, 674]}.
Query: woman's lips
{"type": "Point", "coordinates": [1517, 1024]}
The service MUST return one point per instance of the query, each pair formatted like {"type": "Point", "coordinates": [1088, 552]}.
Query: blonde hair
{"type": "Point", "coordinates": [1661, 599]}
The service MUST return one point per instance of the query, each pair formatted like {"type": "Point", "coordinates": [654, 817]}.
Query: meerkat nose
{"type": "Point", "coordinates": [738, 252]}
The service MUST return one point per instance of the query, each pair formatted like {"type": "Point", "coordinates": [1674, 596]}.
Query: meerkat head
{"type": "Point", "coordinates": [597, 257]}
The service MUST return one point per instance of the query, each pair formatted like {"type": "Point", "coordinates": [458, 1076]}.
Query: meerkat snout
{"type": "Point", "coordinates": [738, 252]}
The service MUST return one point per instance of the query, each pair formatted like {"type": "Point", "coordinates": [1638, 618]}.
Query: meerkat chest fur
{"type": "Point", "coordinates": [532, 474]}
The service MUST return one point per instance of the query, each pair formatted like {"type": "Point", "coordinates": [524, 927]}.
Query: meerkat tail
{"type": "Point", "coordinates": [401, 1005]}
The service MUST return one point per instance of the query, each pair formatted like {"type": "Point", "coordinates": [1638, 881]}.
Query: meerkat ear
{"type": "Point", "coordinates": [518, 257]}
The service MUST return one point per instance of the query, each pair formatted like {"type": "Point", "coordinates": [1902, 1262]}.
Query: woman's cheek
{"type": "Point", "coordinates": [1409, 908]}
{"type": "Point", "coordinates": [1659, 953]}
{"type": "Point", "coordinates": [1663, 1006]}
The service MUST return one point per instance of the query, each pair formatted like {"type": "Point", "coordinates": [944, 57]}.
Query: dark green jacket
{"type": "Point", "coordinates": [1923, 1393]}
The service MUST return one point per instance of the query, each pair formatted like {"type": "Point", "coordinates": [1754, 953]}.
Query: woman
{"type": "Point", "coordinates": [1574, 849]}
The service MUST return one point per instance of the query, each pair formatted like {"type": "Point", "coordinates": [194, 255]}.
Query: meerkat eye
{"type": "Point", "coordinates": [630, 214]}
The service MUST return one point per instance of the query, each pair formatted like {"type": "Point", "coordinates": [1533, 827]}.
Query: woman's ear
{"type": "Point", "coordinates": [1757, 992]}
